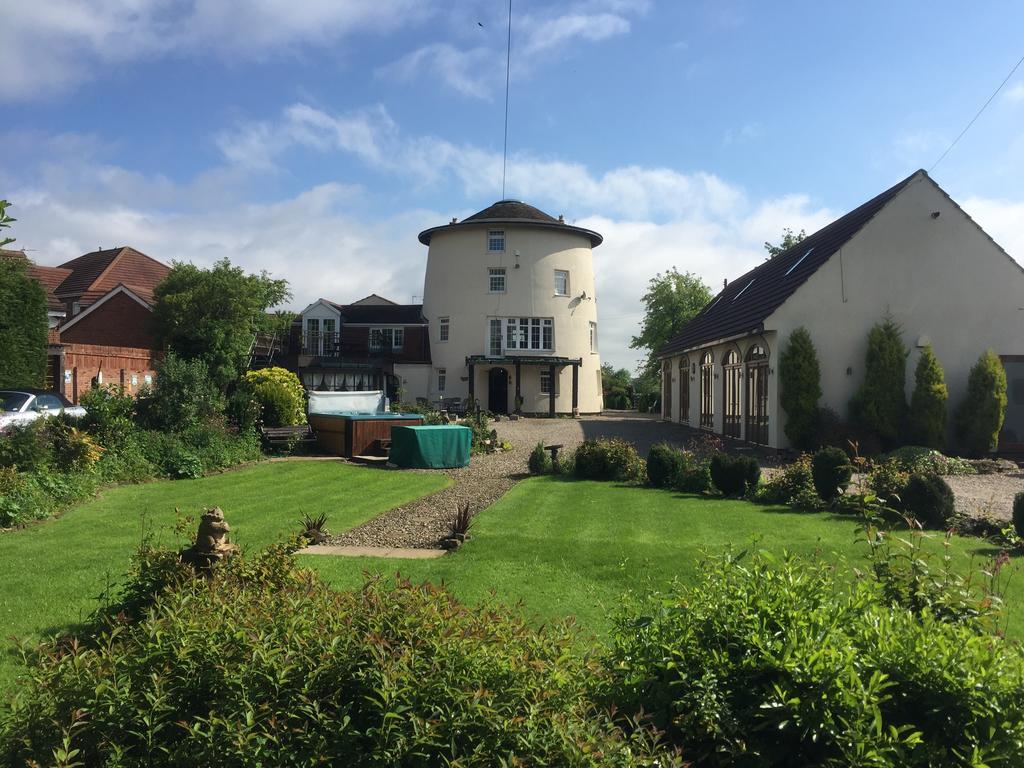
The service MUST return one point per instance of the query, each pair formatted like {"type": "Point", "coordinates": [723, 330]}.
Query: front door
{"type": "Point", "coordinates": [497, 391]}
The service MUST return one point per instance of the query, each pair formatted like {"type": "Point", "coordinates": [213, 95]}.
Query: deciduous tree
{"type": "Point", "coordinates": [673, 299]}
{"type": "Point", "coordinates": [212, 314]}
{"type": "Point", "coordinates": [789, 239]}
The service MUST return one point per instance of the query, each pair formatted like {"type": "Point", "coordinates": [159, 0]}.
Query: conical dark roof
{"type": "Point", "coordinates": [507, 210]}
{"type": "Point", "coordinates": [513, 212]}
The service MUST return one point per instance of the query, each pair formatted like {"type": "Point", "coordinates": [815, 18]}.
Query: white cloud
{"type": "Point", "coordinates": [1014, 94]}
{"type": "Point", "coordinates": [1001, 219]}
{"type": "Point", "coordinates": [478, 70]}
{"type": "Point", "coordinates": [52, 45]}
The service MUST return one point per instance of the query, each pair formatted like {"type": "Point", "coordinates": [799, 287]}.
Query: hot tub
{"type": "Point", "coordinates": [356, 433]}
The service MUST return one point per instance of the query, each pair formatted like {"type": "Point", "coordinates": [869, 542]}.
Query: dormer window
{"type": "Point", "coordinates": [496, 240]}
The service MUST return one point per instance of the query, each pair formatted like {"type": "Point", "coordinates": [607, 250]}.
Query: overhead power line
{"type": "Point", "coordinates": [983, 108]}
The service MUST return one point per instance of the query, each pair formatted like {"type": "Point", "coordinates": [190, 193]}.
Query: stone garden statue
{"type": "Point", "coordinates": [212, 543]}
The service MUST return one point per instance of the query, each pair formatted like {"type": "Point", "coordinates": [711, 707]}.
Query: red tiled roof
{"type": "Point", "coordinates": [96, 273]}
{"type": "Point", "coordinates": [50, 278]}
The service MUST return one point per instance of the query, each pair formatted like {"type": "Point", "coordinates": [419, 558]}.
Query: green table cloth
{"type": "Point", "coordinates": [439, 446]}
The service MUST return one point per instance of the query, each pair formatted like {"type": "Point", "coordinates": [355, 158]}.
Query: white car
{"type": "Point", "coordinates": [22, 406]}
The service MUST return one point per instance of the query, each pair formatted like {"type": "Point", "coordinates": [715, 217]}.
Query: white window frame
{"type": "Point", "coordinates": [493, 274]}
{"type": "Point", "coordinates": [535, 334]}
{"type": "Point", "coordinates": [593, 336]}
{"type": "Point", "coordinates": [545, 375]}
{"type": "Point", "coordinates": [492, 349]}
{"type": "Point", "coordinates": [562, 273]}
{"type": "Point", "coordinates": [442, 379]}
{"type": "Point", "coordinates": [443, 328]}
{"type": "Point", "coordinates": [496, 241]}
{"type": "Point", "coordinates": [394, 334]}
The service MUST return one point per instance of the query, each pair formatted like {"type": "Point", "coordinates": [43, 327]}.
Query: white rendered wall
{"type": "Point", "coordinates": [456, 287]}
{"type": "Point", "coordinates": [942, 279]}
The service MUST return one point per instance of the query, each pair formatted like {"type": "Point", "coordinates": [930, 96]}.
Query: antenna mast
{"type": "Point", "coordinates": [508, 69]}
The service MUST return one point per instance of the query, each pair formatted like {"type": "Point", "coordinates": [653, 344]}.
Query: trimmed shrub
{"type": "Point", "coordinates": [831, 471]}
{"type": "Point", "coordinates": [800, 388]}
{"type": "Point", "coordinates": [278, 394]}
{"type": "Point", "coordinates": [835, 432]}
{"type": "Point", "coordinates": [665, 465]}
{"type": "Point", "coordinates": [926, 423]}
{"type": "Point", "coordinates": [980, 415]}
{"type": "Point", "coordinates": [608, 459]}
{"type": "Point", "coordinates": [265, 664]}
{"type": "Point", "coordinates": [734, 475]}
{"type": "Point", "coordinates": [929, 499]}
{"type": "Point", "coordinates": [880, 404]}
{"type": "Point", "coordinates": [793, 485]}
{"type": "Point", "coordinates": [1018, 514]}
{"type": "Point", "coordinates": [23, 326]}
{"type": "Point", "coordinates": [539, 461]}
{"type": "Point", "coordinates": [766, 664]}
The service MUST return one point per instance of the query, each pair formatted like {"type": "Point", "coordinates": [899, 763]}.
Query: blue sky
{"type": "Point", "coordinates": [315, 138]}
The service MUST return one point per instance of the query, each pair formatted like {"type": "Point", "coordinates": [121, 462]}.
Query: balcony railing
{"type": "Point", "coordinates": [331, 345]}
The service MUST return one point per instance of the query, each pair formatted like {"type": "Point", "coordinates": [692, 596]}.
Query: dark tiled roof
{"type": "Point", "coordinates": [511, 209]}
{"type": "Point", "coordinates": [85, 269]}
{"type": "Point", "coordinates": [513, 212]}
{"type": "Point", "coordinates": [384, 314]}
{"type": "Point", "coordinates": [767, 286]}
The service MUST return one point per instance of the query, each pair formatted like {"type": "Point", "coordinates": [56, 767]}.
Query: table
{"type": "Point", "coordinates": [440, 446]}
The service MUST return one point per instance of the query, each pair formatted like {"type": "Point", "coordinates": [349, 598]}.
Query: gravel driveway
{"type": "Point", "coordinates": [423, 523]}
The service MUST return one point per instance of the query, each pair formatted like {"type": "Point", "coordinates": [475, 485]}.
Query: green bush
{"type": "Point", "coordinates": [608, 459]}
{"type": "Point", "coordinates": [794, 484]}
{"type": "Point", "coordinates": [278, 394]}
{"type": "Point", "coordinates": [734, 475]}
{"type": "Point", "coordinates": [835, 432]}
{"type": "Point", "coordinates": [831, 471]}
{"type": "Point", "coordinates": [267, 665]}
{"type": "Point", "coordinates": [888, 480]}
{"type": "Point", "coordinates": [665, 464]}
{"type": "Point", "coordinates": [880, 404]}
{"type": "Point", "coordinates": [926, 423]}
{"type": "Point", "coordinates": [915, 458]}
{"type": "Point", "coordinates": [23, 326]}
{"type": "Point", "coordinates": [980, 415]}
{"type": "Point", "coordinates": [767, 663]}
{"type": "Point", "coordinates": [1018, 514]}
{"type": "Point", "coordinates": [25, 446]}
{"type": "Point", "coordinates": [184, 396]}
{"type": "Point", "coordinates": [800, 388]}
{"type": "Point", "coordinates": [539, 462]}
{"type": "Point", "coordinates": [929, 499]}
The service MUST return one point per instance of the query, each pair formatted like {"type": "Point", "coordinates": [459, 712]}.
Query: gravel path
{"type": "Point", "coordinates": [423, 523]}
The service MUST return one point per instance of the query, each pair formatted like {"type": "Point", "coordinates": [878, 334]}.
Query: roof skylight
{"type": "Point", "coordinates": [798, 262]}
{"type": "Point", "coordinates": [744, 289]}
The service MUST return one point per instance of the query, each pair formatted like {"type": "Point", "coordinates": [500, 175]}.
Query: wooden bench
{"type": "Point", "coordinates": [299, 433]}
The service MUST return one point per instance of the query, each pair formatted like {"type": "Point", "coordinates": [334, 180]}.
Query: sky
{"type": "Point", "coordinates": [314, 139]}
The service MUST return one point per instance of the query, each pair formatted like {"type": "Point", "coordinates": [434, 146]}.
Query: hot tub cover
{"type": "Point", "coordinates": [441, 446]}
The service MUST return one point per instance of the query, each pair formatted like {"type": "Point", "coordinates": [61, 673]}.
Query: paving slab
{"type": "Point", "coordinates": [401, 553]}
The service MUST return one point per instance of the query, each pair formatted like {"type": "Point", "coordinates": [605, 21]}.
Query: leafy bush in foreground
{"type": "Point", "coordinates": [734, 475]}
{"type": "Point", "coordinates": [788, 663]}
{"type": "Point", "coordinates": [665, 464]}
{"type": "Point", "coordinates": [831, 470]}
{"type": "Point", "coordinates": [608, 459]}
{"type": "Point", "coordinates": [266, 665]}
{"type": "Point", "coordinates": [915, 458]}
{"type": "Point", "coordinates": [794, 484]}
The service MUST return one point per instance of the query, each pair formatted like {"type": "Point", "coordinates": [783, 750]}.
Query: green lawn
{"type": "Point", "coordinates": [571, 547]}
{"type": "Point", "coordinates": [51, 573]}
{"type": "Point", "coordinates": [561, 547]}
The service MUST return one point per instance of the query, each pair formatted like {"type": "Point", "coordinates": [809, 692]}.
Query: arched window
{"type": "Point", "coordinates": [731, 392]}
{"type": "Point", "coordinates": [684, 390]}
{"type": "Point", "coordinates": [757, 394]}
{"type": "Point", "coordinates": [666, 390]}
{"type": "Point", "coordinates": [707, 392]}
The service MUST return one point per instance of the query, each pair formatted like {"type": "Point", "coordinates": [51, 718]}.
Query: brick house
{"type": "Point", "coordinates": [100, 306]}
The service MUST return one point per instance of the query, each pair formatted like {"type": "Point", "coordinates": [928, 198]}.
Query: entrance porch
{"type": "Point", "coordinates": [499, 378]}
